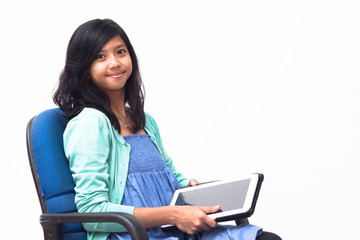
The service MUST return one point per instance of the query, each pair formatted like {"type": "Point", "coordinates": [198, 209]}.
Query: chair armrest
{"type": "Point", "coordinates": [52, 222]}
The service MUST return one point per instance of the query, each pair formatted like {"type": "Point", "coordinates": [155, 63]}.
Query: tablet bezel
{"type": "Point", "coordinates": [250, 200]}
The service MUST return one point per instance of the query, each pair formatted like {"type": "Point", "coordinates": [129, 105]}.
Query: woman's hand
{"type": "Point", "coordinates": [193, 219]}
{"type": "Point", "coordinates": [189, 219]}
{"type": "Point", "coordinates": [193, 182]}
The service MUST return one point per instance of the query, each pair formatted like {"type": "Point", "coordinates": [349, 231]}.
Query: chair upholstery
{"type": "Point", "coordinates": [54, 184]}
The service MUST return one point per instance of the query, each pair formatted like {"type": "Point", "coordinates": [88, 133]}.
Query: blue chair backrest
{"type": "Point", "coordinates": [51, 171]}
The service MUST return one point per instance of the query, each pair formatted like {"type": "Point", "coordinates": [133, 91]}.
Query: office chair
{"type": "Point", "coordinates": [55, 187]}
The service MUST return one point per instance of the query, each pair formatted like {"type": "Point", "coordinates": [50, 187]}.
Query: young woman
{"type": "Point", "coordinates": [114, 148]}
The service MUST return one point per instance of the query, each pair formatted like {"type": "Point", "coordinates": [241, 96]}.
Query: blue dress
{"type": "Point", "coordinates": [150, 183]}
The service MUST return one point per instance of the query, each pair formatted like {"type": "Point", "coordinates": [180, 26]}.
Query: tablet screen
{"type": "Point", "coordinates": [235, 193]}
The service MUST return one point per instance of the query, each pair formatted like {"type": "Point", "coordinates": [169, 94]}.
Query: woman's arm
{"type": "Point", "coordinates": [87, 145]}
{"type": "Point", "coordinates": [189, 219]}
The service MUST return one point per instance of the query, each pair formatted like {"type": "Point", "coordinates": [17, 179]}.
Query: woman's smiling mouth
{"type": "Point", "coordinates": [116, 75]}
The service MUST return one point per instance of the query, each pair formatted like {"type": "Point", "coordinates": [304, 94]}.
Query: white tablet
{"type": "Point", "coordinates": [237, 197]}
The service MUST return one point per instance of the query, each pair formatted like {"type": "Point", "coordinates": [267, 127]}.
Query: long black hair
{"type": "Point", "coordinates": [75, 91]}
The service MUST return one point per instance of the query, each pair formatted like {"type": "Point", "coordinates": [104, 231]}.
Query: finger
{"type": "Point", "coordinates": [204, 224]}
{"type": "Point", "coordinates": [210, 223]}
{"type": "Point", "coordinates": [205, 227]}
{"type": "Point", "coordinates": [210, 209]}
{"type": "Point", "coordinates": [193, 182]}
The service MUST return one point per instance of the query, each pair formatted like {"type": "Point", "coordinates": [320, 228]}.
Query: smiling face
{"type": "Point", "coordinates": [112, 67]}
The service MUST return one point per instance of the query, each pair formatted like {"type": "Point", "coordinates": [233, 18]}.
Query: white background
{"type": "Point", "coordinates": [236, 87]}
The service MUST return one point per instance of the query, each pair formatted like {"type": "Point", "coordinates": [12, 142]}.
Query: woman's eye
{"type": "Point", "coordinates": [121, 51]}
{"type": "Point", "coordinates": [100, 56]}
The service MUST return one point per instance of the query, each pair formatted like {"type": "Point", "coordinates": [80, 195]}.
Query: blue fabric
{"type": "Point", "coordinates": [150, 183]}
{"type": "Point", "coordinates": [92, 145]}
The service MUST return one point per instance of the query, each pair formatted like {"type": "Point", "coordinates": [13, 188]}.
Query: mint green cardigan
{"type": "Point", "coordinates": [99, 158]}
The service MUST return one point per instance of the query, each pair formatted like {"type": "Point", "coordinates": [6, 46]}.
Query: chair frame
{"type": "Point", "coordinates": [52, 222]}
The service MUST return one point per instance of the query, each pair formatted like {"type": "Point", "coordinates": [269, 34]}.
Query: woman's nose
{"type": "Point", "coordinates": [114, 62]}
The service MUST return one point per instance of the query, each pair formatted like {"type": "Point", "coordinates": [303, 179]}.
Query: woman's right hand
{"type": "Point", "coordinates": [193, 219]}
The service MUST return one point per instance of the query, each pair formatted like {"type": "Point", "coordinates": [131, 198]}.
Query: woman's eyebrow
{"type": "Point", "coordinates": [120, 46]}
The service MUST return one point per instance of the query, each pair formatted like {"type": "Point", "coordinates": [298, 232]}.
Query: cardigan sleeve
{"type": "Point", "coordinates": [168, 160]}
{"type": "Point", "coordinates": [87, 146]}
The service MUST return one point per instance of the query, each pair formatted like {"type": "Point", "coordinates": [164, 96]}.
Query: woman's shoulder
{"type": "Point", "coordinates": [151, 126]}
{"type": "Point", "coordinates": [88, 123]}
{"type": "Point", "coordinates": [89, 117]}
{"type": "Point", "coordinates": [148, 117]}
{"type": "Point", "coordinates": [87, 111]}
{"type": "Point", "coordinates": [89, 114]}
{"type": "Point", "coordinates": [150, 120]}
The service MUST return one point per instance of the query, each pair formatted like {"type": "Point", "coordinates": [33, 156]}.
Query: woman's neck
{"type": "Point", "coordinates": [117, 101]}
